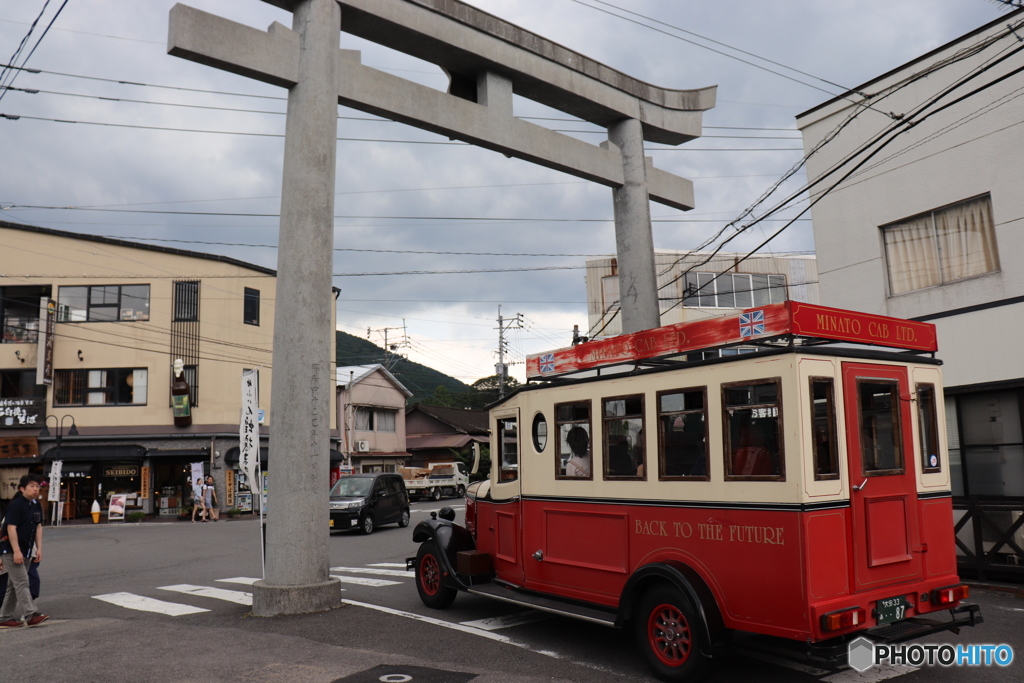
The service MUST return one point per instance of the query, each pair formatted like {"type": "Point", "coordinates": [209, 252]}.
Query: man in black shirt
{"type": "Point", "coordinates": [22, 530]}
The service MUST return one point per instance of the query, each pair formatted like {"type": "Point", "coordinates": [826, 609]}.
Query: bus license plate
{"type": "Point", "coordinates": [892, 609]}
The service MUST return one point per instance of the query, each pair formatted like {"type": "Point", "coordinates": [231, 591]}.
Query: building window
{"type": "Point", "coordinates": [733, 290]}
{"type": "Point", "coordinates": [823, 426]}
{"type": "Point", "coordinates": [251, 314]}
{"type": "Point", "coordinates": [114, 387]}
{"type": "Point", "coordinates": [753, 430]}
{"type": "Point", "coordinates": [375, 419]}
{"type": "Point", "coordinates": [992, 449]}
{"type": "Point", "coordinates": [941, 246]}
{"type": "Point", "coordinates": [682, 434]}
{"type": "Point", "coordinates": [191, 373]}
{"type": "Point", "coordinates": [623, 422]}
{"type": "Point", "coordinates": [364, 419]}
{"type": "Point", "coordinates": [102, 303]}
{"type": "Point", "coordinates": [19, 310]}
{"type": "Point", "coordinates": [574, 455]}
{"type": "Point", "coordinates": [386, 420]}
{"type": "Point", "coordinates": [186, 301]}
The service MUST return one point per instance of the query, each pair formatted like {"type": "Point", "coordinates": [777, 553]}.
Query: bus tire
{"type": "Point", "coordinates": [669, 636]}
{"type": "Point", "coordinates": [430, 578]}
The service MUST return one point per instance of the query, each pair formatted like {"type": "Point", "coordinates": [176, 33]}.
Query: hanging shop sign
{"type": "Point", "coordinates": [19, 447]}
{"type": "Point", "coordinates": [120, 470]}
{"type": "Point", "coordinates": [44, 356]}
{"type": "Point", "coordinates": [21, 412]}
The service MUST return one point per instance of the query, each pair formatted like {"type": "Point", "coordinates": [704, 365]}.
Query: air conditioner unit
{"type": "Point", "coordinates": [362, 446]}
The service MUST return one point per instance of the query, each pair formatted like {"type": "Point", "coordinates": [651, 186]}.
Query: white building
{"type": "Point", "coordinates": [929, 227]}
{"type": "Point", "coordinates": [697, 285]}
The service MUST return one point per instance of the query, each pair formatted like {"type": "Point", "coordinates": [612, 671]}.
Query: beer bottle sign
{"type": "Point", "coordinates": [180, 404]}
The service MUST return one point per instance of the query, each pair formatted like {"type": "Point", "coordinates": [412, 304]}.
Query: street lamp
{"type": "Point", "coordinates": [59, 425]}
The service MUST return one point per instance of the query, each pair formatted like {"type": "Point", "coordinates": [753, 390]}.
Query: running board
{"type": "Point", "coordinates": [518, 597]}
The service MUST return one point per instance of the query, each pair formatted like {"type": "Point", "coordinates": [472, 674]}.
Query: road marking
{"type": "Point", "coordinates": [508, 620]}
{"type": "Point", "coordinates": [364, 581]}
{"type": "Point", "coordinates": [378, 572]}
{"type": "Point", "coordinates": [875, 673]}
{"type": "Point", "coordinates": [144, 604]}
{"type": "Point", "coordinates": [247, 580]}
{"type": "Point", "coordinates": [388, 564]}
{"type": "Point", "coordinates": [206, 592]}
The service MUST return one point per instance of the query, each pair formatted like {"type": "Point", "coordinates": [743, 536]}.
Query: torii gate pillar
{"type": "Point", "coordinates": [297, 564]}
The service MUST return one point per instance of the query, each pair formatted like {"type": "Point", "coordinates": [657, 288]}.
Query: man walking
{"type": "Point", "coordinates": [22, 531]}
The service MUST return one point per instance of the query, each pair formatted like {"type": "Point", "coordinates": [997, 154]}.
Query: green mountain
{"type": "Point", "coordinates": [419, 379]}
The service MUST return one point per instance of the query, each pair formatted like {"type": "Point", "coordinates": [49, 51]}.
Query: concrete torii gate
{"type": "Point", "coordinates": [487, 60]}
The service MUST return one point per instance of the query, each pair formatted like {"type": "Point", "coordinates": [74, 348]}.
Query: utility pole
{"type": "Point", "coordinates": [501, 369]}
{"type": "Point", "coordinates": [389, 358]}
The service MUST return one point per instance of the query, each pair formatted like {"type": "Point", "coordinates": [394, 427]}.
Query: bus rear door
{"type": "Point", "coordinates": [883, 483]}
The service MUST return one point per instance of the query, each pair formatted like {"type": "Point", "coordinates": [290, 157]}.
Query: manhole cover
{"type": "Point", "coordinates": [394, 673]}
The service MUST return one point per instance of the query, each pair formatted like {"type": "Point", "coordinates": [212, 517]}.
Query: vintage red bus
{"type": "Point", "coordinates": [666, 482]}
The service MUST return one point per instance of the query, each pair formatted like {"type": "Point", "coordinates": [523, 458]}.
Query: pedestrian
{"type": "Point", "coordinates": [197, 500]}
{"type": "Point", "coordinates": [21, 544]}
{"type": "Point", "coordinates": [210, 498]}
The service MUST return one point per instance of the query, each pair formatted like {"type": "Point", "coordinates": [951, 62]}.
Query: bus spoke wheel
{"type": "Point", "coordinates": [668, 631]}
{"type": "Point", "coordinates": [669, 635]}
{"type": "Point", "coordinates": [430, 584]}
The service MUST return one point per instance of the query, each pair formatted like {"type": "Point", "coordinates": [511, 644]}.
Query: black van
{"type": "Point", "coordinates": [365, 501]}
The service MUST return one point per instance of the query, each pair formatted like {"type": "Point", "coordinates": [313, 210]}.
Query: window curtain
{"type": "Point", "coordinates": [364, 419]}
{"type": "Point", "coordinates": [911, 255]}
{"type": "Point", "coordinates": [966, 240]}
{"type": "Point", "coordinates": [385, 420]}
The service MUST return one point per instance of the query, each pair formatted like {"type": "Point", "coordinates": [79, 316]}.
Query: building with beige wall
{"type": "Point", "coordinates": [371, 413]}
{"type": "Point", "coordinates": [123, 312]}
{"type": "Point", "coordinates": [698, 285]}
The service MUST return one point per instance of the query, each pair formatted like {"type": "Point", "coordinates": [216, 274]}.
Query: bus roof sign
{"type": "Point", "coordinates": [765, 322]}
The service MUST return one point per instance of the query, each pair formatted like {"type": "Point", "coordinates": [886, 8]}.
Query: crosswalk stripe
{"type": "Point", "coordinates": [364, 581]}
{"type": "Point", "coordinates": [507, 621]}
{"type": "Point", "coordinates": [206, 592]}
{"type": "Point", "coordinates": [144, 604]}
{"type": "Point", "coordinates": [247, 580]}
{"type": "Point", "coordinates": [379, 572]}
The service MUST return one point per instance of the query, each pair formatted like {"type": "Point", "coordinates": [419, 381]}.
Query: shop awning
{"type": "Point", "coordinates": [118, 452]}
{"type": "Point", "coordinates": [231, 457]}
{"type": "Point", "coordinates": [178, 453]}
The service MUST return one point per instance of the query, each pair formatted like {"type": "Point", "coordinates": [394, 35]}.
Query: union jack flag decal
{"type": "Point", "coordinates": [751, 323]}
{"type": "Point", "coordinates": [547, 362]}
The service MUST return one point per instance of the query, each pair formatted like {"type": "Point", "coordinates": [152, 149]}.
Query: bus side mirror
{"type": "Point", "coordinates": [476, 457]}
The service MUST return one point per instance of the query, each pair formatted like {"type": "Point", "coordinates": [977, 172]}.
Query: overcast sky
{"type": "Point", "coordinates": [422, 193]}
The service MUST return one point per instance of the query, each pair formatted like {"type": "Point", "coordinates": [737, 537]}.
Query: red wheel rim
{"type": "Point", "coordinates": [668, 634]}
{"type": "Point", "coordinates": [430, 575]}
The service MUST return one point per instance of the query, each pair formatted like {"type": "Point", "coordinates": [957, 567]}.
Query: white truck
{"type": "Point", "coordinates": [437, 480]}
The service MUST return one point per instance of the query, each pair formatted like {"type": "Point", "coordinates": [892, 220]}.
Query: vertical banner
{"type": "Point", "coordinates": [144, 486]}
{"type": "Point", "coordinates": [55, 469]}
{"type": "Point", "coordinates": [44, 353]}
{"type": "Point", "coordinates": [248, 429]}
{"type": "Point", "coordinates": [197, 473]}
{"type": "Point", "coordinates": [229, 484]}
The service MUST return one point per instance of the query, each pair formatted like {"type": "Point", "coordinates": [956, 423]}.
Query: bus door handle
{"type": "Point", "coordinates": [860, 487]}
{"type": "Point", "coordinates": [539, 556]}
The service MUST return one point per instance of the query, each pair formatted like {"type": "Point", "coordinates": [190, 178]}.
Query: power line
{"type": "Point", "coordinates": [14, 73]}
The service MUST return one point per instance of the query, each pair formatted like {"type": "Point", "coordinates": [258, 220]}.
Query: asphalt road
{"type": "Point", "coordinates": [95, 579]}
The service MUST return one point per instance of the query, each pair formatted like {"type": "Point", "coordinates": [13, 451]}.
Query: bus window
{"type": "Point", "coordinates": [880, 430]}
{"type": "Point", "coordinates": [540, 432]}
{"type": "Point", "coordinates": [623, 420]}
{"type": "Point", "coordinates": [823, 428]}
{"type": "Point", "coordinates": [928, 422]}
{"type": "Point", "coordinates": [508, 445]}
{"type": "Point", "coordinates": [753, 432]}
{"type": "Point", "coordinates": [682, 434]}
{"type": "Point", "coordinates": [573, 457]}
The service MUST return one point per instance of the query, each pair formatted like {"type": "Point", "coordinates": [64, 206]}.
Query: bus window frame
{"type": "Point", "coordinates": [661, 435]}
{"type": "Point", "coordinates": [933, 418]}
{"type": "Point", "coordinates": [832, 430]}
{"type": "Point", "coordinates": [727, 454]}
{"type": "Point", "coordinates": [898, 427]}
{"type": "Point", "coordinates": [500, 429]}
{"type": "Point", "coordinates": [605, 442]}
{"type": "Point", "coordinates": [558, 437]}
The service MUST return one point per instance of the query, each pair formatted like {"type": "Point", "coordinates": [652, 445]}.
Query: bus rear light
{"type": "Point", "coordinates": [950, 594]}
{"type": "Point", "coordinates": [847, 618]}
